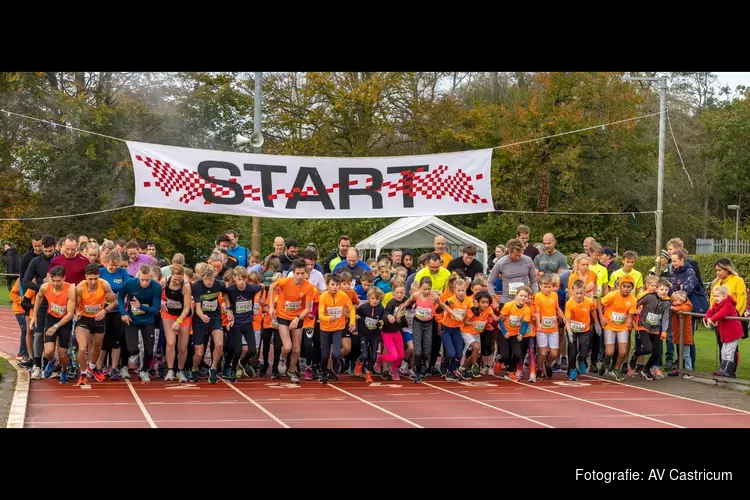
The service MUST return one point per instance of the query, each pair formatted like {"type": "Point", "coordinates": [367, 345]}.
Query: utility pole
{"type": "Point", "coordinates": [662, 151]}
{"type": "Point", "coordinates": [258, 101]}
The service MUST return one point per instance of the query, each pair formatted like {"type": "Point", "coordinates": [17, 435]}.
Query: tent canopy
{"type": "Point", "coordinates": [420, 232]}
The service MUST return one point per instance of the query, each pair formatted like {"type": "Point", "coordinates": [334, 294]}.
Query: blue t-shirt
{"type": "Point", "coordinates": [149, 298]}
{"type": "Point", "coordinates": [116, 280]}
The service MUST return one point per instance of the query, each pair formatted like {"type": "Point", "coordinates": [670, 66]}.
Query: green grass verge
{"type": "Point", "coordinates": [4, 299]}
{"type": "Point", "coordinates": [707, 354]}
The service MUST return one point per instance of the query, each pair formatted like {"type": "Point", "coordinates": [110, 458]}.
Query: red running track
{"type": "Point", "coordinates": [265, 403]}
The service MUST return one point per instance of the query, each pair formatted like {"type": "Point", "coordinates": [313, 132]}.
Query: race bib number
{"type": "Point", "coordinates": [618, 318]}
{"type": "Point", "coordinates": [422, 313]}
{"type": "Point", "coordinates": [459, 314]}
{"type": "Point", "coordinates": [117, 280]}
{"type": "Point", "coordinates": [515, 320]}
{"type": "Point", "coordinates": [209, 305]}
{"type": "Point", "coordinates": [256, 308]}
{"type": "Point", "coordinates": [334, 312]}
{"type": "Point", "coordinates": [549, 321]}
{"type": "Point", "coordinates": [371, 323]}
{"type": "Point", "coordinates": [137, 311]}
{"type": "Point", "coordinates": [58, 309]}
{"type": "Point", "coordinates": [243, 306]}
{"type": "Point", "coordinates": [513, 288]}
{"type": "Point", "coordinates": [653, 319]}
{"type": "Point", "coordinates": [92, 309]}
{"type": "Point", "coordinates": [274, 322]}
{"type": "Point", "coordinates": [173, 304]}
{"type": "Point", "coordinates": [577, 326]}
{"type": "Point", "coordinates": [479, 326]}
{"type": "Point", "coordinates": [293, 306]}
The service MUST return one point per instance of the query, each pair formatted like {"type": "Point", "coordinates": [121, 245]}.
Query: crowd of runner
{"type": "Point", "coordinates": [90, 310]}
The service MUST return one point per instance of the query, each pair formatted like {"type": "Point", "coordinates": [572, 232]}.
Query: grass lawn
{"type": "Point", "coordinates": [4, 300]}
{"type": "Point", "coordinates": [707, 354]}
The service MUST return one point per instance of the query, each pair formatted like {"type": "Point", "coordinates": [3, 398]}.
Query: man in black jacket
{"type": "Point", "coordinates": [34, 251]}
{"type": "Point", "coordinates": [12, 263]}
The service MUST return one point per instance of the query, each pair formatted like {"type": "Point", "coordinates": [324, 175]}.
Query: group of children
{"type": "Point", "coordinates": [392, 327]}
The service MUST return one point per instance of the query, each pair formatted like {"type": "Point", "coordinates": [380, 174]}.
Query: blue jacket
{"type": "Point", "coordinates": [149, 298]}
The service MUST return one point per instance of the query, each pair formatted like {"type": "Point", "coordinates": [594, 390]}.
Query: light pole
{"type": "Point", "coordinates": [258, 101]}
{"type": "Point", "coordinates": [256, 141]}
{"type": "Point", "coordinates": [662, 149]}
{"type": "Point", "coordinates": [736, 228]}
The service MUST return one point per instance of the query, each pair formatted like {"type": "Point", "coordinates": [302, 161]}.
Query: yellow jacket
{"type": "Point", "coordinates": [737, 290]}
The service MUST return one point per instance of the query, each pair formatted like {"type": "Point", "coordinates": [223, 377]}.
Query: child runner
{"type": "Point", "coordinates": [516, 318]}
{"type": "Point", "coordinates": [393, 339]}
{"type": "Point", "coordinates": [332, 323]}
{"type": "Point", "coordinates": [369, 323]}
{"type": "Point", "coordinates": [652, 326]}
{"type": "Point", "coordinates": [455, 308]}
{"type": "Point", "coordinates": [549, 313]}
{"type": "Point", "coordinates": [636, 364]}
{"type": "Point", "coordinates": [176, 317]}
{"type": "Point", "coordinates": [580, 314]}
{"type": "Point", "coordinates": [475, 325]}
{"type": "Point", "coordinates": [617, 321]}
{"type": "Point", "coordinates": [241, 295]}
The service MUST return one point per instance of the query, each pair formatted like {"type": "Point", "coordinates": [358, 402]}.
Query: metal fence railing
{"type": "Point", "coordinates": [681, 320]}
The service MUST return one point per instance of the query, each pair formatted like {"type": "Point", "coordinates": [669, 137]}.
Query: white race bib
{"type": "Point", "coordinates": [459, 314]}
{"type": "Point", "coordinates": [173, 304]}
{"type": "Point", "coordinates": [371, 323]}
{"type": "Point", "coordinates": [479, 326]}
{"type": "Point", "coordinates": [137, 311]}
{"type": "Point", "coordinates": [275, 322]}
{"type": "Point", "coordinates": [513, 288]}
{"type": "Point", "coordinates": [58, 309]}
{"type": "Point", "coordinates": [653, 319]}
{"type": "Point", "coordinates": [423, 312]}
{"type": "Point", "coordinates": [293, 306]}
{"type": "Point", "coordinates": [577, 326]}
{"type": "Point", "coordinates": [92, 309]}
{"type": "Point", "coordinates": [209, 305]}
{"type": "Point", "coordinates": [618, 318]}
{"type": "Point", "coordinates": [256, 308]}
{"type": "Point", "coordinates": [334, 312]}
{"type": "Point", "coordinates": [243, 306]}
{"type": "Point", "coordinates": [549, 321]}
{"type": "Point", "coordinates": [515, 320]}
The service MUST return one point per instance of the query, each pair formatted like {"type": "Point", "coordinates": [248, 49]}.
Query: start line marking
{"type": "Point", "coordinates": [477, 384]}
{"type": "Point", "coordinates": [571, 383]}
{"type": "Point", "coordinates": [281, 385]}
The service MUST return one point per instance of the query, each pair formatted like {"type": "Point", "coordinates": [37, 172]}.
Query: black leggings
{"type": "Point", "coordinates": [312, 345]}
{"type": "Point", "coordinates": [266, 335]}
{"type": "Point", "coordinates": [578, 349]}
{"type": "Point", "coordinates": [234, 343]}
{"type": "Point", "coordinates": [368, 350]}
{"type": "Point", "coordinates": [436, 345]}
{"type": "Point", "coordinates": [511, 351]}
{"type": "Point", "coordinates": [326, 338]}
{"type": "Point", "coordinates": [648, 343]}
{"type": "Point", "coordinates": [486, 338]}
{"type": "Point", "coordinates": [112, 331]}
{"type": "Point", "coordinates": [131, 338]}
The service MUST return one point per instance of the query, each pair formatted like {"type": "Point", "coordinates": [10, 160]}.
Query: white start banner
{"type": "Point", "coordinates": [300, 187]}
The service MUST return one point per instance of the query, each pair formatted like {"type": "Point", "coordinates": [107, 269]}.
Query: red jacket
{"type": "Point", "coordinates": [729, 329]}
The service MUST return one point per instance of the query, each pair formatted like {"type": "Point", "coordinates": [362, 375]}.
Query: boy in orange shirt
{"type": "Point", "coordinates": [579, 313]}
{"type": "Point", "coordinates": [333, 323]}
{"type": "Point", "coordinates": [617, 321]}
{"type": "Point", "coordinates": [681, 303]}
{"type": "Point", "coordinates": [547, 306]}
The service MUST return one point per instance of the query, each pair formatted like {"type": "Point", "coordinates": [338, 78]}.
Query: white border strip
{"type": "Point", "coordinates": [257, 405]}
{"type": "Point", "coordinates": [387, 412]}
{"type": "Point", "coordinates": [140, 404]}
{"type": "Point", "coordinates": [17, 414]}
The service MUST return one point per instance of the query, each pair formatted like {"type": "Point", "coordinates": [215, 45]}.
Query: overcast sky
{"type": "Point", "coordinates": [733, 79]}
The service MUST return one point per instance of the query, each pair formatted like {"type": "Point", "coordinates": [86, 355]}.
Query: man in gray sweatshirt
{"type": "Point", "coordinates": [516, 269]}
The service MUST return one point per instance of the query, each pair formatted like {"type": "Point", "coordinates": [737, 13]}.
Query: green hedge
{"type": "Point", "coordinates": [706, 263]}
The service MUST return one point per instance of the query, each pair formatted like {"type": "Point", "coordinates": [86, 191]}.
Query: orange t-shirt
{"type": "Point", "coordinates": [514, 317]}
{"type": "Point", "coordinates": [477, 323]}
{"type": "Point", "coordinates": [687, 334]}
{"type": "Point", "coordinates": [292, 299]}
{"type": "Point", "coordinates": [460, 307]}
{"type": "Point", "coordinates": [547, 306]}
{"type": "Point", "coordinates": [258, 310]}
{"type": "Point", "coordinates": [579, 314]}
{"type": "Point", "coordinates": [352, 296]}
{"type": "Point", "coordinates": [92, 303]}
{"type": "Point", "coordinates": [616, 310]}
{"type": "Point", "coordinates": [591, 280]}
{"type": "Point", "coordinates": [445, 295]}
{"type": "Point", "coordinates": [15, 296]}
{"type": "Point", "coordinates": [58, 304]}
{"type": "Point", "coordinates": [331, 311]}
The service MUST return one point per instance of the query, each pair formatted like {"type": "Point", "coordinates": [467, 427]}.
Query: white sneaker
{"type": "Point", "coordinates": [145, 378]}
{"type": "Point", "coordinates": [181, 377]}
{"type": "Point", "coordinates": [124, 373]}
{"type": "Point", "coordinates": [485, 370]}
{"type": "Point", "coordinates": [170, 375]}
{"type": "Point", "coordinates": [282, 365]}
{"type": "Point", "coordinates": [36, 373]}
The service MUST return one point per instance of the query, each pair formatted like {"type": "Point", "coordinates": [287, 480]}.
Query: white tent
{"type": "Point", "coordinates": [420, 232]}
